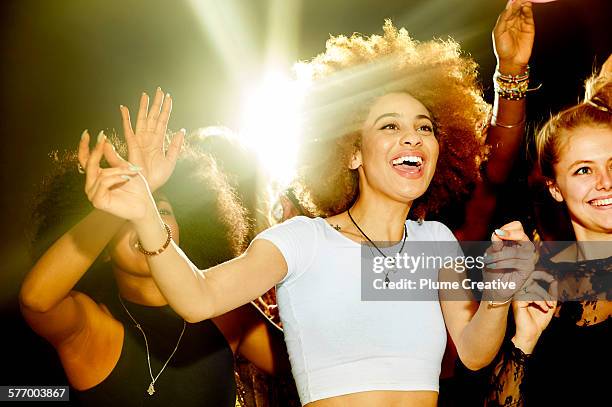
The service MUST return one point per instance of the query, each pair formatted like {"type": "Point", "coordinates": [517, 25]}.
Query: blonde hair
{"type": "Point", "coordinates": [595, 110]}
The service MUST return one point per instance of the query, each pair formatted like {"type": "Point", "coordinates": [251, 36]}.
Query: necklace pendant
{"type": "Point", "coordinates": [387, 279]}
{"type": "Point", "coordinates": [151, 389]}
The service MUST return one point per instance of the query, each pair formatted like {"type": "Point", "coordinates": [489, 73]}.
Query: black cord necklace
{"type": "Point", "coordinates": [374, 244]}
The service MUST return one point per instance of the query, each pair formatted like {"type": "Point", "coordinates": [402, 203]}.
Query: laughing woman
{"type": "Point", "coordinates": [559, 351]}
{"type": "Point", "coordinates": [395, 127]}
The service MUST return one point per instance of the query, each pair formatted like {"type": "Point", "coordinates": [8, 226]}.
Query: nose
{"type": "Point", "coordinates": [412, 138]}
{"type": "Point", "coordinates": [604, 181]}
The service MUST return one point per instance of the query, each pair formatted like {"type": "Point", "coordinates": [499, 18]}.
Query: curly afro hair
{"type": "Point", "coordinates": [349, 76]}
{"type": "Point", "coordinates": [214, 226]}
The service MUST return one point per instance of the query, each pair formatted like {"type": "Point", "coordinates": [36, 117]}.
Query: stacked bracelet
{"type": "Point", "coordinates": [511, 87]}
{"type": "Point", "coordinates": [161, 249]}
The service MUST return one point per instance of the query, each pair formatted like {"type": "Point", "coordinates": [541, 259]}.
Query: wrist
{"type": "Point", "coordinates": [499, 304]}
{"type": "Point", "coordinates": [154, 236]}
{"type": "Point", "coordinates": [511, 68]}
{"type": "Point", "coordinates": [495, 296]}
{"type": "Point", "coordinates": [526, 344]}
{"type": "Point", "coordinates": [150, 216]}
{"type": "Point", "coordinates": [511, 86]}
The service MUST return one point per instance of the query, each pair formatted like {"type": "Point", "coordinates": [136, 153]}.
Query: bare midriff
{"type": "Point", "coordinates": [380, 398]}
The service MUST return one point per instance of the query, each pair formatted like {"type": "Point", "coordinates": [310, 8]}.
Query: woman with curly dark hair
{"type": "Point", "coordinates": [123, 345]}
{"type": "Point", "coordinates": [388, 117]}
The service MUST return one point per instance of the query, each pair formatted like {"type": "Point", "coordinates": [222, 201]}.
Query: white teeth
{"type": "Point", "coordinates": [408, 159]}
{"type": "Point", "coordinates": [601, 202]}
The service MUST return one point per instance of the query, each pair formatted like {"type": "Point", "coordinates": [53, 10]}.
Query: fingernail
{"type": "Point", "coordinates": [167, 95]}
{"type": "Point", "coordinates": [183, 131]}
{"type": "Point", "coordinates": [84, 134]}
{"type": "Point", "coordinates": [125, 177]}
{"type": "Point", "coordinates": [134, 167]}
{"type": "Point", "coordinates": [491, 266]}
{"type": "Point", "coordinates": [101, 136]}
{"type": "Point", "coordinates": [144, 93]}
{"type": "Point", "coordinates": [500, 232]}
{"type": "Point", "coordinates": [159, 88]}
{"type": "Point", "coordinates": [121, 107]}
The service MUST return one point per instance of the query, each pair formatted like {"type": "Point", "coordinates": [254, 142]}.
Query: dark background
{"type": "Point", "coordinates": [67, 65]}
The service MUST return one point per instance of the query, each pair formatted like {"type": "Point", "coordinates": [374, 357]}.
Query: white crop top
{"type": "Point", "coordinates": [337, 343]}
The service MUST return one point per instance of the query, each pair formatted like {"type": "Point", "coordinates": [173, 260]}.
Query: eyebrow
{"type": "Point", "coordinates": [580, 162]}
{"type": "Point", "coordinates": [417, 117]}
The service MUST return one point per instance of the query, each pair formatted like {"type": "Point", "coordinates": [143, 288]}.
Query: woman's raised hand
{"type": "Point", "coordinates": [120, 190]}
{"type": "Point", "coordinates": [146, 147]}
{"type": "Point", "coordinates": [513, 35]}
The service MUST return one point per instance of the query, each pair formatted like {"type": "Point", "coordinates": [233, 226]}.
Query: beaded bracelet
{"type": "Point", "coordinates": [512, 78]}
{"type": "Point", "coordinates": [161, 249]}
{"type": "Point", "coordinates": [511, 87]}
{"type": "Point", "coordinates": [511, 95]}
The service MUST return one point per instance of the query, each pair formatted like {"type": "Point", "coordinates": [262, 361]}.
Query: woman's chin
{"type": "Point", "coordinates": [408, 192]}
{"type": "Point", "coordinates": [408, 195]}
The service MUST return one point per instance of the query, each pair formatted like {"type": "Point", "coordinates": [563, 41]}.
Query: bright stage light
{"type": "Point", "coordinates": [271, 125]}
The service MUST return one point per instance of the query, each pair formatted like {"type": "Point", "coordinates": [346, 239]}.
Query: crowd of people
{"type": "Point", "coordinates": [197, 285]}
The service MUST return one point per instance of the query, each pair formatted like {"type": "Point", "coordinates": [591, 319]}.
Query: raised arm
{"type": "Point", "coordinates": [202, 294]}
{"type": "Point", "coordinates": [192, 293]}
{"type": "Point", "coordinates": [46, 296]}
{"type": "Point", "coordinates": [513, 38]}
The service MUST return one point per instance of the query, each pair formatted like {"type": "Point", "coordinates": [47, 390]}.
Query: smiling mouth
{"type": "Point", "coordinates": [601, 203]}
{"type": "Point", "coordinates": [408, 162]}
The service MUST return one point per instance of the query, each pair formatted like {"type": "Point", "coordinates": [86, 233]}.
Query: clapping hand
{"type": "Point", "coordinates": [120, 190]}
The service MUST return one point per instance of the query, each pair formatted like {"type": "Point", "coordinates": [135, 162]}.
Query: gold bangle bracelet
{"type": "Point", "coordinates": [161, 249]}
{"type": "Point", "coordinates": [495, 123]}
{"type": "Point", "coordinates": [493, 304]}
